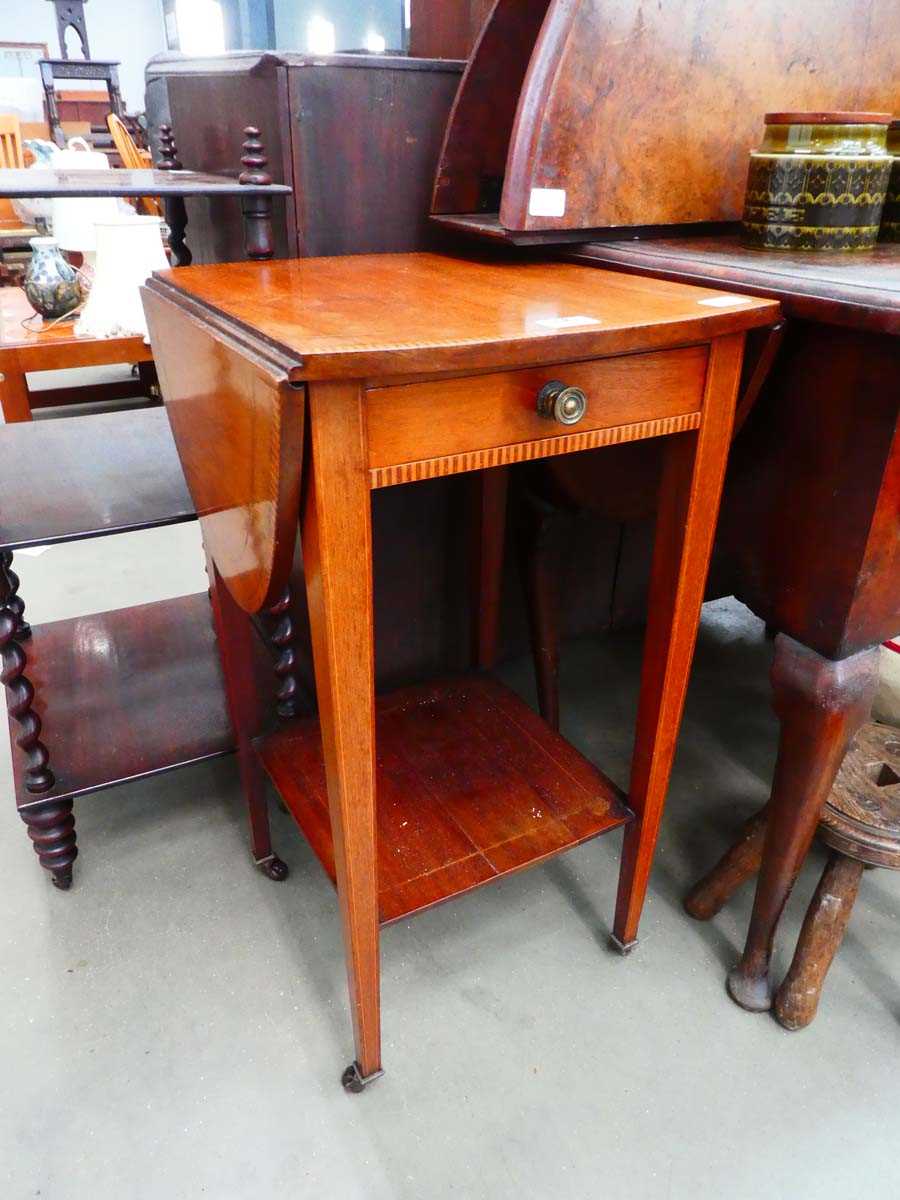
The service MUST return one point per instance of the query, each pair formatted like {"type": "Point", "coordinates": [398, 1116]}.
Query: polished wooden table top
{"type": "Point", "coordinates": [32, 183]}
{"type": "Point", "coordinates": [356, 316]}
{"type": "Point", "coordinates": [858, 289]}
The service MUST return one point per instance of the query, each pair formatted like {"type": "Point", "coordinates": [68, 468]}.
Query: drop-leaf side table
{"type": "Point", "coordinates": [294, 389]}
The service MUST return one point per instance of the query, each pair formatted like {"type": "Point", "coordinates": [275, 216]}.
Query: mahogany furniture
{"type": "Point", "coordinates": [809, 535]}
{"type": "Point", "coordinates": [98, 699]}
{"type": "Point", "coordinates": [355, 135]}
{"type": "Point", "coordinates": [860, 822]}
{"type": "Point", "coordinates": [579, 116]}
{"type": "Point", "coordinates": [253, 187]}
{"type": "Point", "coordinates": [29, 344]}
{"type": "Point", "coordinates": [311, 383]}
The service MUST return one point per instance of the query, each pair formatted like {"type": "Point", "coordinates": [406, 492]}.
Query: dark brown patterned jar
{"type": "Point", "coordinates": [818, 182]}
{"type": "Point", "coordinates": [890, 218]}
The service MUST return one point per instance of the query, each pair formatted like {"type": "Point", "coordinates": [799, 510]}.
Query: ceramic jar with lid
{"type": "Point", "coordinates": [818, 181]}
{"type": "Point", "coordinates": [890, 218]}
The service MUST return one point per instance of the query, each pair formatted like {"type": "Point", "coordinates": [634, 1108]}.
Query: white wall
{"type": "Point", "coordinates": [129, 31]}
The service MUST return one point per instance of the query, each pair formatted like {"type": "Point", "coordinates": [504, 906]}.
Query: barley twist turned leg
{"type": "Point", "coordinates": [51, 827]}
{"type": "Point", "coordinates": [38, 776]}
{"type": "Point", "coordinates": [282, 638]}
{"type": "Point", "coordinates": [10, 588]}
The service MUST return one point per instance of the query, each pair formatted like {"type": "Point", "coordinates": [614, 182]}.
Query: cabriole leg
{"type": "Point", "coordinates": [821, 704]}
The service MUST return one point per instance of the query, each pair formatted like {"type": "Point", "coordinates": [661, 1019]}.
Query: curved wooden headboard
{"type": "Point", "coordinates": [238, 424]}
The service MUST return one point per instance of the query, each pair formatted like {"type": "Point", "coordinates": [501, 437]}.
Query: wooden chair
{"type": "Point", "coordinates": [10, 142]}
{"type": "Point", "coordinates": [861, 825]}
{"type": "Point", "coordinates": [11, 158]}
{"type": "Point", "coordinates": [133, 159]}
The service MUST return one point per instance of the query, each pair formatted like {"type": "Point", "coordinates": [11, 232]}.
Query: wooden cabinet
{"type": "Point", "coordinates": [356, 136]}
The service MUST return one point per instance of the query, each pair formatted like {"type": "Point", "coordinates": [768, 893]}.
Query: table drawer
{"type": "Point", "coordinates": [434, 419]}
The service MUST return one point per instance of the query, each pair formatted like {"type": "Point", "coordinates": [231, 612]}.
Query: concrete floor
{"type": "Point", "coordinates": [175, 1026]}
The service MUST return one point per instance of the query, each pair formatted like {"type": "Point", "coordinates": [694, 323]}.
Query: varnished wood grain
{"type": "Point", "coordinates": [448, 313]}
{"type": "Point", "coordinates": [645, 114]}
{"type": "Point", "coordinates": [472, 162]}
{"type": "Point", "coordinates": [337, 560]}
{"type": "Point", "coordinates": [500, 408]}
{"type": "Point", "coordinates": [238, 426]}
{"type": "Point", "coordinates": [691, 487]}
{"type": "Point", "coordinates": [495, 791]}
{"type": "Point", "coordinates": [861, 290]}
{"type": "Point", "coordinates": [154, 671]}
{"type": "Point", "coordinates": [110, 472]}
{"type": "Point", "coordinates": [478, 460]}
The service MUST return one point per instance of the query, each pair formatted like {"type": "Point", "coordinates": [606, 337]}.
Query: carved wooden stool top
{"type": "Point", "coordinates": [862, 815]}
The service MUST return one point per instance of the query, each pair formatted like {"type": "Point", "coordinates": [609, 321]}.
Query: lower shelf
{"type": "Point", "coordinates": [472, 785]}
{"type": "Point", "coordinates": [124, 694]}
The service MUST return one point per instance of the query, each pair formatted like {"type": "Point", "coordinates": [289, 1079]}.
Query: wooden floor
{"type": "Point", "coordinates": [472, 785]}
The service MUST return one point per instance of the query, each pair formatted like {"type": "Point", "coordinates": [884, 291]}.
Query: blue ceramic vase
{"type": "Point", "coordinates": [51, 284]}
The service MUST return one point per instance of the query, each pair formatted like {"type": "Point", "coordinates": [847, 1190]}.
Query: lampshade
{"type": "Point", "coordinates": [73, 221]}
{"type": "Point", "coordinates": [129, 249]}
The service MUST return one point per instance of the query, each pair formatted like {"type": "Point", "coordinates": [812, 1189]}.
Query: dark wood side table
{"type": "Point", "coordinates": [253, 187]}
{"type": "Point", "coordinates": [809, 533]}
{"type": "Point", "coordinates": [406, 367]}
{"type": "Point", "coordinates": [99, 699]}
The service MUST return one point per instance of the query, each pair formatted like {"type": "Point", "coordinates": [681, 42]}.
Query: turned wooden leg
{"type": "Point", "coordinates": [10, 588]}
{"type": "Point", "coordinates": [337, 558]}
{"type": "Point", "coordinates": [51, 827]}
{"type": "Point", "coordinates": [488, 542]}
{"type": "Point", "coordinates": [20, 697]}
{"type": "Point", "coordinates": [821, 704]}
{"type": "Point", "coordinates": [738, 864]}
{"type": "Point", "coordinates": [282, 638]}
{"type": "Point", "coordinates": [234, 633]}
{"type": "Point", "coordinates": [820, 938]}
{"type": "Point", "coordinates": [540, 558]}
{"type": "Point", "coordinates": [259, 240]}
{"type": "Point", "coordinates": [689, 496]}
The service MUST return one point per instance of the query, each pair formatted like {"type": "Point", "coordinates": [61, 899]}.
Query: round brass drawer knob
{"type": "Point", "coordinates": [557, 402]}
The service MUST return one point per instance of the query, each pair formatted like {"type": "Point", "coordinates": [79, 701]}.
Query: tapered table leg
{"type": "Point", "coordinates": [540, 556]}
{"type": "Point", "coordinates": [688, 503]}
{"type": "Point", "coordinates": [821, 704]}
{"type": "Point", "coordinates": [488, 541]}
{"type": "Point", "coordinates": [234, 632]}
{"type": "Point", "coordinates": [337, 559]}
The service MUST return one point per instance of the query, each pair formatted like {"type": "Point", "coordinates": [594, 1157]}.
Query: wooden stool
{"type": "Point", "coordinates": [861, 824]}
